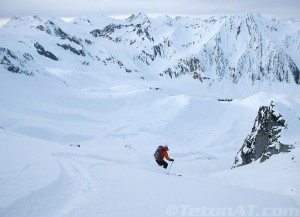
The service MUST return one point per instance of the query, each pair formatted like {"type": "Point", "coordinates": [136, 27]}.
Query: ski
{"type": "Point", "coordinates": [174, 174]}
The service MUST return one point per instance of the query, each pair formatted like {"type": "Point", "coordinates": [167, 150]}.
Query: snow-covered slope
{"type": "Point", "coordinates": [103, 92]}
{"type": "Point", "coordinates": [118, 120]}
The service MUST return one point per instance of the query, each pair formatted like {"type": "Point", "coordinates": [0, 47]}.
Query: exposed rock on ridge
{"type": "Point", "coordinates": [263, 141]}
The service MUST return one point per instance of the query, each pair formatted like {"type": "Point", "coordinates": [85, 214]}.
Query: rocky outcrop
{"type": "Point", "coordinates": [72, 49]}
{"type": "Point", "coordinates": [190, 66]}
{"type": "Point", "coordinates": [107, 31]}
{"type": "Point", "coordinates": [15, 63]}
{"type": "Point", "coordinates": [263, 141]}
{"type": "Point", "coordinates": [40, 49]}
{"type": "Point", "coordinates": [52, 29]}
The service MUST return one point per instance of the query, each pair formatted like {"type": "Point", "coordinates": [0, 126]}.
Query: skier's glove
{"type": "Point", "coordinates": [171, 159]}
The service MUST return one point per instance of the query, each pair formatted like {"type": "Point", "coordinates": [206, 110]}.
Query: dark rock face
{"type": "Point", "coordinates": [52, 29]}
{"type": "Point", "coordinates": [141, 29]}
{"type": "Point", "coordinates": [72, 49]}
{"type": "Point", "coordinates": [263, 141]}
{"type": "Point", "coordinates": [186, 66]}
{"type": "Point", "coordinates": [295, 71]}
{"type": "Point", "coordinates": [107, 31]}
{"type": "Point", "coordinates": [43, 52]}
{"type": "Point", "coordinates": [15, 64]}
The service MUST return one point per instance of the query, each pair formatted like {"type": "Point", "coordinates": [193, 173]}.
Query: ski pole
{"type": "Point", "coordinates": [170, 167]}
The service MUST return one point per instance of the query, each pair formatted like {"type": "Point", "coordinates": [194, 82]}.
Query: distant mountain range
{"type": "Point", "coordinates": [237, 48]}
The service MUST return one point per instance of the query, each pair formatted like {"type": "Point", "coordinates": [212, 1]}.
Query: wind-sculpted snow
{"type": "Point", "coordinates": [236, 48]}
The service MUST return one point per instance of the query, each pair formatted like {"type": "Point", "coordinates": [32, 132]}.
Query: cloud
{"type": "Point", "coordinates": [65, 8]}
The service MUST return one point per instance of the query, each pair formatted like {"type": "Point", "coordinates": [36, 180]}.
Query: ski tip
{"type": "Point", "coordinates": [174, 174]}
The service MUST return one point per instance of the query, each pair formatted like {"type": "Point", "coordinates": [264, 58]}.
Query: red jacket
{"type": "Point", "coordinates": [165, 153]}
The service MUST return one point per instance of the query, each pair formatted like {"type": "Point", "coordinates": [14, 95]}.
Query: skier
{"type": "Point", "coordinates": [161, 153]}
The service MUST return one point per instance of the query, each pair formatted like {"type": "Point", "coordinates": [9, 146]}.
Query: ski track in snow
{"type": "Point", "coordinates": [58, 199]}
{"type": "Point", "coordinates": [75, 193]}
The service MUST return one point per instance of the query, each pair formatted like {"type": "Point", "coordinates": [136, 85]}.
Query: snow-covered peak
{"type": "Point", "coordinates": [139, 18]}
{"type": "Point", "coordinates": [131, 17]}
{"type": "Point", "coordinates": [83, 21]}
{"type": "Point", "coordinates": [94, 20]}
{"type": "Point", "coordinates": [29, 21]}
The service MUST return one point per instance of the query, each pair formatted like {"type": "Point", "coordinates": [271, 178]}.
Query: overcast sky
{"type": "Point", "coordinates": [74, 8]}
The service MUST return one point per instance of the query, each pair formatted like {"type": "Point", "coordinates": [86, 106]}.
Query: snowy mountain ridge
{"type": "Point", "coordinates": [237, 48]}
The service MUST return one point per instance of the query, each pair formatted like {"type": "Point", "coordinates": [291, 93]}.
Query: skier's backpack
{"type": "Point", "coordinates": [158, 153]}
